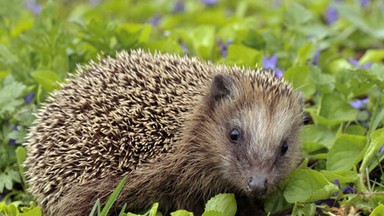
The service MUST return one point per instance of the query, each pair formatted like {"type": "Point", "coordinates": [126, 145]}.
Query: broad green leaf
{"type": "Point", "coordinates": [344, 176]}
{"type": "Point", "coordinates": [377, 141]}
{"type": "Point", "coordinates": [335, 108]}
{"type": "Point", "coordinates": [378, 211]}
{"type": "Point", "coordinates": [203, 38]}
{"type": "Point", "coordinates": [275, 202]}
{"type": "Point", "coordinates": [303, 54]}
{"type": "Point", "coordinates": [47, 79]}
{"type": "Point", "coordinates": [213, 213]}
{"type": "Point", "coordinates": [224, 203]}
{"type": "Point", "coordinates": [308, 186]}
{"type": "Point", "coordinates": [181, 213]}
{"type": "Point", "coordinates": [306, 209]}
{"type": "Point", "coordinates": [296, 15]}
{"type": "Point", "coordinates": [243, 55]}
{"type": "Point", "coordinates": [298, 76]}
{"type": "Point", "coordinates": [35, 211]}
{"type": "Point", "coordinates": [318, 134]}
{"type": "Point", "coordinates": [345, 152]}
{"type": "Point", "coordinates": [372, 55]}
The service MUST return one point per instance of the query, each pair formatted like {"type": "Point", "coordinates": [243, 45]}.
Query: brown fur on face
{"type": "Point", "coordinates": [164, 122]}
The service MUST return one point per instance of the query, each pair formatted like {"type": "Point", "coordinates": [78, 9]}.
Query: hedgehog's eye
{"type": "Point", "coordinates": [234, 135]}
{"type": "Point", "coordinates": [284, 147]}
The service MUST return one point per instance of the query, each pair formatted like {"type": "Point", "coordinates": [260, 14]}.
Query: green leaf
{"type": "Point", "coordinates": [275, 201]}
{"type": "Point", "coordinates": [336, 109]}
{"type": "Point", "coordinates": [344, 176]}
{"type": "Point", "coordinates": [35, 211]}
{"type": "Point", "coordinates": [372, 55]}
{"type": "Point", "coordinates": [303, 54]}
{"type": "Point", "coordinates": [113, 197]}
{"type": "Point", "coordinates": [296, 15]}
{"type": "Point", "coordinates": [47, 79]}
{"type": "Point", "coordinates": [21, 154]}
{"type": "Point", "coordinates": [10, 94]}
{"type": "Point", "coordinates": [243, 55]}
{"type": "Point", "coordinates": [318, 134]}
{"type": "Point", "coordinates": [224, 203]}
{"type": "Point", "coordinates": [378, 211]}
{"type": "Point", "coordinates": [181, 213]}
{"type": "Point", "coordinates": [203, 38]}
{"type": "Point", "coordinates": [298, 76]}
{"type": "Point", "coordinates": [308, 186]}
{"type": "Point", "coordinates": [345, 152]}
{"type": "Point", "coordinates": [213, 213]}
{"type": "Point", "coordinates": [307, 209]}
{"type": "Point", "coordinates": [377, 141]}
{"type": "Point", "coordinates": [354, 16]}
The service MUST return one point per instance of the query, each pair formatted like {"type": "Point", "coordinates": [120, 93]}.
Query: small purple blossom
{"type": "Point", "coordinates": [331, 15]}
{"type": "Point", "coordinates": [356, 63]}
{"type": "Point", "coordinates": [183, 47]}
{"type": "Point", "coordinates": [154, 21]}
{"type": "Point", "coordinates": [209, 2]}
{"type": "Point", "coordinates": [179, 6]}
{"type": "Point", "coordinates": [271, 63]}
{"type": "Point", "coordinates": [33, 6]}
{"type": "Point", "coordinates": [359, 103]}
{"type": "Point", "coordinates": [13, 141]}
{"type": "Point", "coordinates": [328, 202]}
{"type": "Point", "coordinates": [28, 99]}
{"type": "Point", "coordinates": [364, 3]}
{"type": "Point", "coordinates": [348, 190]}
{"type": "Point", "coordinates": [381, 150]}
{"type": "Point", "coordinates": [316, 58]}
{"type": "Point", "coordinates": [224, 47]}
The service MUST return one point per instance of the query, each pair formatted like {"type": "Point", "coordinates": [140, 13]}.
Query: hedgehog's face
{"type": "Point", "coordinates": [257, 134]}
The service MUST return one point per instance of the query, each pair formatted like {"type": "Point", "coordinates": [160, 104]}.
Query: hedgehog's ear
{"type": "Point", "coordinates": [221, 88]}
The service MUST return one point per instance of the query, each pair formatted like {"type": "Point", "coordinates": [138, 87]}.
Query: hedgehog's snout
{"type": "Point", "coordinates": [257, 184]}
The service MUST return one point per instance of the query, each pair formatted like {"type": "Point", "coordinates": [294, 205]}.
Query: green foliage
{"type": "Point", "coordinates": [332, 64]}
{"type": "Point", "coordinates": [219, 205]}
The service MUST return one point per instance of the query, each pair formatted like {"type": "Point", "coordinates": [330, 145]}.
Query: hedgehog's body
{"type": "Point", "coordinates": [180, 130]}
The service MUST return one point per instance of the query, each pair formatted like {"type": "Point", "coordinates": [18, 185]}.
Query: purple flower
{"type": "Point", "coordinates": [315, 60]}
{"type": "Point", "coordinates": [336, 182]}
{"type": "Point", "coordinates": [349, 190]}
{"type": "Point", "coordinates": [356, 63]}
{"type": "Point", "coordinates": [179, 6]}
{"type": "Point", "coordinates": [13, 141]}
{"type": "Point", "coordinates": [224, 47]}
{"type": "Point", "coordinates": [328, 202]}
{"type": "Point", "coordinates": [28, 99]}
{"type": "Point", "coordinates": [271, 63]}
{"type": "Point", "coordinates": [154, 21]}
{"type": "Point", "coordinates": [381, 150]}
{"type": "Point", "coordinates": [209, 2]}
{"type": "Point", "coordinates": [33, 6]}
{"type": "Point", "coordinates": [359, 103]}
{"type": "Point", "coordinates": [184, 47]}
{"type": "Point", "coordinates": [331, 15]}
{"type": "Point", "coordinates": [364, 3]}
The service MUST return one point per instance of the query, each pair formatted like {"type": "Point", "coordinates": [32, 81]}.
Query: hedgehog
{"type": "Point", "coordinates": [180, 129]}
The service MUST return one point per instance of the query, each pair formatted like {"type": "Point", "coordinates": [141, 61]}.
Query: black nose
{"type": "Point", "coordinates": [258, 184]}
